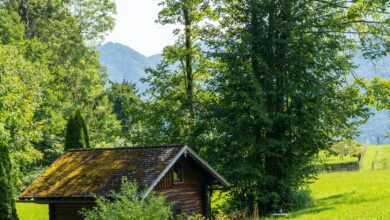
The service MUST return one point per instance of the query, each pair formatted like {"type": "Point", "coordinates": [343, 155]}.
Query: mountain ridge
{"type": "Point", "coordinates": [126, 64]}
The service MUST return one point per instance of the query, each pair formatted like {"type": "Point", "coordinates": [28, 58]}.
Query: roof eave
{"type": "Point", "coordinates": [198, 159]}
{"type": "Point", "coordinates": [206, 166]}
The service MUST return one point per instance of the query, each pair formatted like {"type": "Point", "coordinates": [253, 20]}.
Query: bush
{"type": "Point", "coordinates": [220, 203]}
{"type": "Point", "coordinates": [128, 204]}
{"type": "Point", "coordinates": [300, 199]}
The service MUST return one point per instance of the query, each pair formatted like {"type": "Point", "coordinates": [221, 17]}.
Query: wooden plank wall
{"type": "Point", "coordinates": [190, 196]}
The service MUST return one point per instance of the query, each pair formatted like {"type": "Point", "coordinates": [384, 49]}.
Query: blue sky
{"type": "Point", "coordinates": [136, 27]}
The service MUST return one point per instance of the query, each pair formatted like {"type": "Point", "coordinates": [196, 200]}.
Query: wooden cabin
{"type": "Point", "coordinates": [175, 171]}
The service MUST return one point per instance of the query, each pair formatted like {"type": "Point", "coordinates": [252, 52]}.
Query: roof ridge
{"type": "Point", "coordinates": [130, 147]}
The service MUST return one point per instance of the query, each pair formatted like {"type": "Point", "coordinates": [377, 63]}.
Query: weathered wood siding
{"type": "Point", "coordinates": [190, 196]}
{"type": "Point", "coordinates": [58, 211]}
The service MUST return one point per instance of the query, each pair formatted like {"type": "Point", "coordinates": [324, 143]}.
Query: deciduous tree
{"type": "Point", "coordinates": [283, 91]}
{"type": "Point", "coordinates": [176, 85]}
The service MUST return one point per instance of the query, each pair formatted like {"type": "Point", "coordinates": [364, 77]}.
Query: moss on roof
{"type": "Point", "coordinates": [85, 173]}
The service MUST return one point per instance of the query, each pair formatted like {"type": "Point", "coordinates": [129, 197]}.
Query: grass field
{"type": "Point", "coordinates": [29, 211]}
{"type": "Point", "coordinates": [363, 195]}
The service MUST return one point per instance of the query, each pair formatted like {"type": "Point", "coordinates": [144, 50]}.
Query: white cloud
{"type": "Point", "coordinates": [136, 27]}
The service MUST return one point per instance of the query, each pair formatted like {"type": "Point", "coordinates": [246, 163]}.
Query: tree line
{"type": "Point", "coordinates": [257, 87]}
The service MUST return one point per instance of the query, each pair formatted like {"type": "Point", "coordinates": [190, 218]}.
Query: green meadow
{"type": "Point", "coordinates": [362, 195]}
{"type": "Point", "coordinates": [30, 211]}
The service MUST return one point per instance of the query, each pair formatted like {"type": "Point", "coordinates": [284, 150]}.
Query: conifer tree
{"type": "Point", "coordinates": [7, 201]}
{"type": "Point", "coordinates": [76, 132]}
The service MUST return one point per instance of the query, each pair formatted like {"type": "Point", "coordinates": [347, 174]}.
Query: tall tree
{"type": "Point", "coordinates": [76, 132]}
{"type": "Point", "coordinates": [282, 90]}
{"type": "Point", "coordinates": [182, 12]}
{"type": "Point", "coordinates": [176, 84]}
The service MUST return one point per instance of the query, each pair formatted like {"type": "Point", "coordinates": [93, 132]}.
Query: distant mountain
{"type": "Point", "coordinates": [124, 63]}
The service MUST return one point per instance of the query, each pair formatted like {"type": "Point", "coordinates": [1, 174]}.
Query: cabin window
{"type": "Point", "coordinates": [177, 174]}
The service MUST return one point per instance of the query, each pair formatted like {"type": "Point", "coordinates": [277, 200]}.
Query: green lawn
{"type": "Point", "coordinates": [363, 195]}
{"type": "Point", "coordinates": [29, 211]}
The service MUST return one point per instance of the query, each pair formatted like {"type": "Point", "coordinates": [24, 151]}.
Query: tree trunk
{"type": "Point", "coordinates": [188, 63]}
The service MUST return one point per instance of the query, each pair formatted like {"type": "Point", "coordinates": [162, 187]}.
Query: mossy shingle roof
{"type": "Point", "coordinates": [85, 173]}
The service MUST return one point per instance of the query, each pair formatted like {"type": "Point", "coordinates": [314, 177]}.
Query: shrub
{"type": "Point", "coordinates": [348, 148]}
{"type": "Point", "coordinates": [220, 203]}
{"type": "Point", "coordinates": [300, 199]}
{"type": "Point", "coordinates": [128, 204]}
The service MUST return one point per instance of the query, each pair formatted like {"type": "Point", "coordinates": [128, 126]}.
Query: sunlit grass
{"type": "Point", "coordinates": [362, 195]}
{"type": "Point", "coordinates": [30, 211]}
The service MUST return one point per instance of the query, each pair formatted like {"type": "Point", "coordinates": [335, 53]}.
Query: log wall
{"type": "Point", "coordinates": [190, 196]}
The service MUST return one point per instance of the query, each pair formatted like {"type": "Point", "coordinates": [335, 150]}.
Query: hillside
{"type": "Point", "coordinates": [124, 63]}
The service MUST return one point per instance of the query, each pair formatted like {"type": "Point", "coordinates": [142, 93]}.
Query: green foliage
{"type": "Point", "coordinates": [377, 96]}
{"type": "Point", "coordinates": [300, 199]}
{"type": "Point", "coordinates": [268, 94]}
{"type": "Point", "coordinates": [130, 111]}
{"type": "Point", "coordinates": [128, 204]}
{"type": "Point", "coordinates": [348, 148]}
{"type": "Point", "coordinates": [48, 70]}
{"type": "Point", "coordinates": [76, 132]}
{"type": "Point", "coordinates": [377, 92]}
{"type": "Point", "coordinates": [282, 92]}
{"type": "Point", "coordinates": [11, 30]}
{"type": "Point", "coordinates": [177, 91]}
{"type": "Point", "coordinates": [7, 202]}
{"type": "Point", "coordinates": [325, 157]}
{"type": "Point", "coordinates": [19, 89]}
